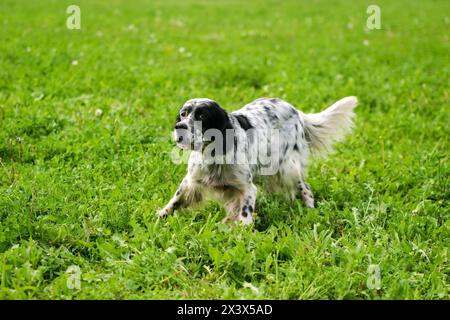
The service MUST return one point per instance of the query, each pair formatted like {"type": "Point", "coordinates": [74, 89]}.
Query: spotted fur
{"type": "Point", "coordinates": [234, 184]}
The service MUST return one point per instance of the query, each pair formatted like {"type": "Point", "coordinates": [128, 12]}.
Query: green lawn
{"type": "Point", "coordinates": [79, 187]}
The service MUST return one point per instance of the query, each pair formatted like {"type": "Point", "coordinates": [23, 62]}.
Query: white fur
{"type": "Point", "coordinates": [233, 185]}
{"type": "Point", "coordinates": [331, 125]}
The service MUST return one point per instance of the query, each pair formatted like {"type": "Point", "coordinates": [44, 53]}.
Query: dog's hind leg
{"type": "Point", "coordinates": [186, 195]}
{"type": "Point", "coordinates": [306, 194]}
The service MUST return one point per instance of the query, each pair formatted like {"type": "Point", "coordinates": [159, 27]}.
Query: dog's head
{"type": "Point", "coordinates": [198, 120]}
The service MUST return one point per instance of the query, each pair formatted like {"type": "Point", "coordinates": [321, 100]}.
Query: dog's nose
{"type": "Point", "coordinates": [180, 126]}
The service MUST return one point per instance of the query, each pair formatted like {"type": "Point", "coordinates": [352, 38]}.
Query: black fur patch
{"type": "Point", "coordinates": [307, 135]}
{"type": "Point", "coordinates": [243, 122]}
{"type": "Point", "coordinates": [244, 211]}
{"type": "Point", "coordinates": [213, 116]}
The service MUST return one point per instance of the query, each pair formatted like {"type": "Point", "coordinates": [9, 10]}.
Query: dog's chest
{"type": "Point", "coordinates": [213, 175]}
{"type": "Point", "coordinates": [218, 177]}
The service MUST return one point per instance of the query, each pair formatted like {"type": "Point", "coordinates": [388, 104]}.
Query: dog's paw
{"type": "Point", "coordinates": [162, 213]}
{"type": "Point", "coordinates": [246, 220]}
{"type": "Point", "coordinates": [238, 220]}
{"type": "Point", "coordinates": [309, 203]}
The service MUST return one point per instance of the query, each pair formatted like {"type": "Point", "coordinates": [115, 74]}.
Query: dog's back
{"type": "Point", "coordinates": [293, 134]}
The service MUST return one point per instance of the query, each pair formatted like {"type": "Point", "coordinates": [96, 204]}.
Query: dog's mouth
{"type": "Point", "coordinates": [182, 139]}
{"type": "Point", "coordinates": [188, 142]}
{"type": "Point", "coordinates": [189, 139]}
{"type": "Point", "coordinates": [182, 143]}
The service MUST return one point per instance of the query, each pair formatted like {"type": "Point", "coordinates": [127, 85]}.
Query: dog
{"type": "Point", "coordinates": [214, 135]}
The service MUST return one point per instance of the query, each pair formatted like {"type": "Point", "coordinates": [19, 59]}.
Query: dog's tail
{"type": "Point", "coordinates": [329, 126]}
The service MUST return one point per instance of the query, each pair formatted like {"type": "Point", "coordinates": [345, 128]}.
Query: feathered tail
{"type": "Point", "coordinates": [329, 126]}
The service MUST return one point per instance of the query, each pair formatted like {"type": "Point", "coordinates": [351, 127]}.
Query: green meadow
{"type": "Point", "coordinates": [85, 138]}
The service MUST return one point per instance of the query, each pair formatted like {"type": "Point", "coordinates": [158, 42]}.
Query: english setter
{"type": "Point", "coordinates": [230, 151]}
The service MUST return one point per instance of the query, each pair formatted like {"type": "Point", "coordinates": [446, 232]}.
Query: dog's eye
{"type": "Point", "coordinates": [201, 116]}
{"type": "Point", "coordinates": [183, 114]}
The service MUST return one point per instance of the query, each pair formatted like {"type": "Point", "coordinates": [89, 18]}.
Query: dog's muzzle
{"type": "Point", "coordinates": [182, 136]}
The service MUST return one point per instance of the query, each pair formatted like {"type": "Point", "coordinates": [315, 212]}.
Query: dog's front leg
{"type": "Point", "coordinates": [186, 195]}
{"type": "Point", "coordinates": [243, 207]}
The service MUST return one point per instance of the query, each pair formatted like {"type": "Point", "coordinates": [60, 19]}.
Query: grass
{"type": "Point", "coordinates": [85, 122]}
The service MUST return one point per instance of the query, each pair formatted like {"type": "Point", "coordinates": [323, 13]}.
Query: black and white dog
{"type": "Point", "coordinates": [267, 140]}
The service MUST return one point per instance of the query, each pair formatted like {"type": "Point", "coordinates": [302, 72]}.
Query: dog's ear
{"type": "Point", "coordinates": [216, 117]}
